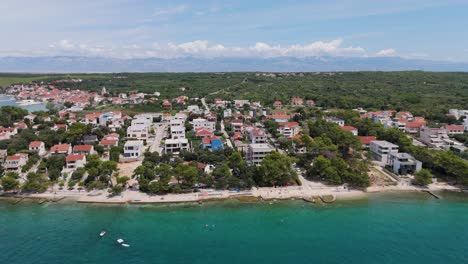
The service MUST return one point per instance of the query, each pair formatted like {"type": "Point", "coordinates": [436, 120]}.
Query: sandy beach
{"type": "Point", "coordinates": [308, 191]}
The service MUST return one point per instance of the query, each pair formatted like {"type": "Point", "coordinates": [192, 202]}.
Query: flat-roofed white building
{"type": "Point", "coordinates": [257, 152]}
{"type": "Point", "coordinates": [177, 132]}
{"type": "Point", "coordinates": [133, 149]}
{"type": "Point", "coordinates": [176, 145]}
{"type": "Point", "coordinates": [380, 150]}
{"type": "Point", "coordinates": [403, 163]}
{"type": "Point", "coordinates": [202, 122]}
{"type": "Point", "coordinates": [137, 131]}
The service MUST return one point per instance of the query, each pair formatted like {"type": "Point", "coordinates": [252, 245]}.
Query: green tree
{"type": "Point", "coordinates": [423, 177]}
{"type": "Point", "coordinates": [9, 183]}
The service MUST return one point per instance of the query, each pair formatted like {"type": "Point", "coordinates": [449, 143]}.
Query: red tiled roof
{"type": "Point", "coordinates": [203, 131]}
{"type": "Point", "coordinates": [366, 140]}
{"type": "Point", "coordinates": [35, 144]}
{"type": "Point", "coordinates": [17, 156]}
{"type": "Point", "coordinates": [60, 148]}
{"type": "Point", "coordinates": [454, 127]}
{"type": "Point", "coordinates": [75, 157]}
{"type": "Point", "coordinates": [348, 128]}
{"type": "Point", "coordinates": [288, 124]}
{"type": "Point", "coordinates": [206, 140]}
{"type": "Point", "coordinates": [86, 148]}
{"type": "Point", "coordinates": [108, 142]}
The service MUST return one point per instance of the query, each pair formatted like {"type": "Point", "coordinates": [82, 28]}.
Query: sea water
{"type": "Point", "coordinates": [390, 228]}
{"type": "Point", "coordinates": [10, 100]}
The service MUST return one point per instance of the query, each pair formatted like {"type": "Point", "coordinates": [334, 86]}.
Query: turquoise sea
{"type": "Point", "coordinates": [9, 100]}
{"type": "Point", "coordinates": [390, 228]}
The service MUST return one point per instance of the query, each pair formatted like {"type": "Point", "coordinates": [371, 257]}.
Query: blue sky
{"type": "Point", "coordinates": [425, 29]}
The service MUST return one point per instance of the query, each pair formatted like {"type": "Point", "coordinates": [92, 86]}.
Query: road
{"type": "Point", "coordinates": [160, 131]}
{"type": "Point", "coordinates": [228, 141]}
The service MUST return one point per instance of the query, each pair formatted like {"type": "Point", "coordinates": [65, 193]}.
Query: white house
{"type": "Point", "coordinates": [288, 129]}
{"type": "Point", "coordinates": [61, 149]}
{"type": "Point", "coordinates": [201, 122]}
{"type": "Point", "coordinates": [258, 135]}
{"type": "Point", "coordinates": [138, 131]}
{"type": "Point", "coordinates": [177, 132]}
{"type": "Point", "coordinates": [133, 148]}
{"type": "Point", "coordinates": [176, 145]}
{"type": "Point", "coordinates": [141, 121]}
{"type": "Point", "coordinates": [37, 146]}
{"type": "Point", "coordinates": [75, 161]}
{"type": "Point", "coordinates": [15, 162]}
{"type": "Point", "coordinates": [257, 152]}
{"type": "Point", "coordinates": [403, 163]}
{"type": "Point", "coordinates": [380, 150]}
{"type": "Point", "coordinates": [335, 120]}
{"type": "Point", "coordinates": [350, 129]}
{"type": "Point", "coordinates": [433, 137]}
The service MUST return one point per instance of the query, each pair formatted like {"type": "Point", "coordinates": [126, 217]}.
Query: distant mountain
{"type": "Point", "coordinates": [65, 64]}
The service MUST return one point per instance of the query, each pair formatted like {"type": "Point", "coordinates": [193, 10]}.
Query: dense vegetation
{"type": "Point", "coordinates": [423, 93]}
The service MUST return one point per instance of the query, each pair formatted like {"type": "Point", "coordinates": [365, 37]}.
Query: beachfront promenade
{"type": "Point", "coordinates": [307, 190]}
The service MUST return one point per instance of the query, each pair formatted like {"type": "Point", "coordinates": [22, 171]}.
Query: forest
{"type": "Point", "coordinates": [429, 94]}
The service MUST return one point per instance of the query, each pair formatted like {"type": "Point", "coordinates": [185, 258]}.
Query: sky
{"type": "Point", "coordinates": [419, 29]}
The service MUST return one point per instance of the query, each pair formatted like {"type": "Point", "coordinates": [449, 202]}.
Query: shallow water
{"type": "Point", "coordinates": [385, 228]}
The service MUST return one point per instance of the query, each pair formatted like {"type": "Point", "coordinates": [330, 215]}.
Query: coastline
{"type": "Point", "coordinates": [318, 195]}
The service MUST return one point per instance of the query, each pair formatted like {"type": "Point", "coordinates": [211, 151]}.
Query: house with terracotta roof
{"type": "Point", "coordinates": [166, 104]}
{"type": "Point", "coordinates": [112, 136]}
{"type": "Point", "coordinates": [279, 117]}
{"type": "Point", "coordinates": [91, 118]}
{"type": "Point", "coordinates": [204, 132]}
{"type": "Point", "coordinates": [37, 146]}
{"type": "Point", "coordinates": [288, 129]}
{"type": "Point", "coordinates": [212, 143]}
{"type": "Point", "coordinates": [61, 149]}
{"type": "Point", "coordinates": [366, 140]}
{"type": "Point", "coordinates": [258, 135]}
{"type": "Point", "coordinates": [236, 136]}
{"type": "Point", "coordinates": [83, 149]}
{"type": "Point", "coordinates": [350, 129]}
{"type": "Point", "coordinates": [108, 143]}
{"type": "Point", "coordinates": [21, 125]}
{"type": "Point", "coordinates": [236, 125]}
{"type": "Point", "coordinates": [454, 129]}
{"type": "Point", "coordinates": [413, 127]}
{"type": "Point", "coordinates": [277, 104]}
{"type": "Point", "coordinates": [4, 136]}
{"type": "Point", "coordinates": [310, 103]}
{"type": "Point", "coordinates": [15, 162]}
{"type": "Point", "coordinates": [10, 131]}
{"type": "Point", "coordinates": [60, 126]}
{"type": "Point", "coordinates": [297, 101]}
{"type": "Point", "coordinates": [75, 161]}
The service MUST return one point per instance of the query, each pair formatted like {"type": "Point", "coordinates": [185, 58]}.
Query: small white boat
{"type": "Point", "coordinates": [102, 233]}
{"type": "Point", "coordinates": [125, 245]}
{"type": "Point", "coordinates": [120, 241]}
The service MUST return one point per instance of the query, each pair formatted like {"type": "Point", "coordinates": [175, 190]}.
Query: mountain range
{"type": "Point", "coordinates": [71, 64]}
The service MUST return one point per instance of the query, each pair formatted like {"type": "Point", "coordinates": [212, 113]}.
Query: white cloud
{"type": "Point", "coordinates": [203, 48]}
{"type": "Point", "coordinates": [386, 53]}
{"type": "Point", "coordinates": [170, 11]}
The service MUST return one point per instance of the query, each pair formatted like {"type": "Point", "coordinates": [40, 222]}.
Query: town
{"type": "Point", "coordinates": [209, 147]}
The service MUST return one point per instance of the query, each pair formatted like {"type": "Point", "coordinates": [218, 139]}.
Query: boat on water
{"type": "Point", "coordinates": [125, 245]}
{"type": "Point", "coordinates": [120, 241]}
{"type": "Point", "coordinates": [103, 233]}
{"type": "Point", "coordinates": [28, 102]}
